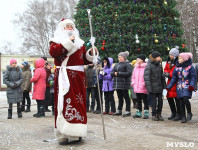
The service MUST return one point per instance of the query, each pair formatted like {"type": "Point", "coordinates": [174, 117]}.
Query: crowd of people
{"type": "Point", "coordinates": [19, 81]}
{"type": "Point", "coordinates": [144, 82]}
{"type": "Point", "coordinates": [72, 89]}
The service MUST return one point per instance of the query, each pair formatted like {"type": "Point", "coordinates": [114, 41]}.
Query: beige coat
{"type": "Point", "coordinates": [26, 85]}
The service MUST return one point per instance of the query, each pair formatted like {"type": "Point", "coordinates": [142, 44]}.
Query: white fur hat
{"type": "Point", "coordinates": [65, 22]}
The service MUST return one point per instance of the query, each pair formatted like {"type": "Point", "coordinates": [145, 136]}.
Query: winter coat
{"type": "Point", "coordinates": [153, 77]}
{"type": "Point", "coordinates": [184, 75]}
{"type": "Point", "coordinates": [13, 79]}
{"type": "Point", "coordinates": [123, 78]}
{"type": "Point", "coordinates": [51, 82]}
{"type": "Point", "coordinates": [196, 68]}
{"type": "Point", "coordinates": [138, 78]}
{"type": "Point", "coordinates": [26, 85]}
{"type": "Point", "coordinates": [169, 68]}
{"type": "Point", "coordinates": [39, 80]}
{"type": "Point", "coordinates": [91, 76]}
{"type": "Point", "coordinates": [106, 76]}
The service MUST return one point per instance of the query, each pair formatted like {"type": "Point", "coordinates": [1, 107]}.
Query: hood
{"type": "Point", "coordinates": [143, 65]}
{"type": "Point", "coordinates": [184, 64]}
{"type": "Point", "coordinates": [40, 63]}
{"type": "Point", "coordinates": [9, 68]}
{"type": "Point", "coordinates": [109, 62]}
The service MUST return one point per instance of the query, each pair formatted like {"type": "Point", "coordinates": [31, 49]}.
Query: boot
{"type": "Point", "coordinates": [178, 117]}
{"type": "Point", "coordinates": [184, 120]}
{"type": "Point", "coordinates": [46, 109]}
{"type": "Point", "coordinates": [53, 111]}
{"type": "Point", "coordinates": [172, 116]}
{"type": "Point", "coordinates": [138, 114]}
{"type": "Point", "coordinates": [27, 109]}
{"type": "Point", "coordinates": [22, 108]}
{"type": "Point", "coordinates": [160, 118]}
{"type": "Point", "coordinates": [154, 118]}
{"type": "Point", "coordinates": [134, 103]}
{"type": "Point", "coordinates": [189, 116]}
{"type": "Point", "coordinates": [19, 112]}
{"type": "Point", "coordinates": [37, 112]}
{"type": "Point", "coordinates": [146, 114]}
{"type": "Point", "coordinates": [118, 113]}
{"type": "Point", "coordinates": [41, 112]}
{"type": "Point", "coordinates": [9, 113]}
{"type": "Point", "coordinates": [127, 114]}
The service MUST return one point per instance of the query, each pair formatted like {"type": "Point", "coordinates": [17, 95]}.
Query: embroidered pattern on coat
{"type": "Point", "coordinates": [72, 113]}
{"type": "Point", "coordinates": [182, 74]}
{"type": "Point", "coordinates": [79, 98]}
{"type": "Point", "coordinates": [72, 73]}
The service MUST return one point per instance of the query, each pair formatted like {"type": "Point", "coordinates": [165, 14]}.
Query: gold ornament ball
{"type": "Point", "coordinates": [156, 41]}
{"type": "Point", "coordinates": [165, 3]}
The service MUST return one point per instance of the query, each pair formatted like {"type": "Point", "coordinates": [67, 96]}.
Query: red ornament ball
{"type": "Point", "coordinates": [103, 48]}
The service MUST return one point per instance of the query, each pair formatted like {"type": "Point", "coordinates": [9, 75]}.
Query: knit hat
{"type": "Point", "coordinates": [25, 63]}
{"type": "Point", "coordinates": [155, 54]}
{"type": "Point", "coordinates": [174, 51]}
{"type": "Point", "coordinates": [142, 57]}
{"type": "Point", "coordinates": [133, 62]}
{"type": "Point", "coordinates": [45, 58]}
{"type": "Point", "coordinates": [186, 56]}
{"type": "Point", "coordinates": [124, 54]}
{"type": "Point", "coordinates": [12, 61]}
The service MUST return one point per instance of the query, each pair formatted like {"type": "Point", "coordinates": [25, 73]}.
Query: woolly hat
{"type": "Point", "coordinates": [45, 58]}
{"type": "Point", "coordinates": [12, 61]}
{"type": "Point", "coordinates": [133, 62]}
{"type": "Point", "coordinates": [155, 54]}
{"type": "Point", "coordinates": [174, 51]}
{"type": "Point", "coordinates": [186, 56]}
{"type": "Point", "coordinates": [25, 63]}
{"type": "Point", "coordinates": [65, 22]}
{"type": "Point", "coordinates": [142, 57]}
{"type": "Point", "coordinates": [124, 54]}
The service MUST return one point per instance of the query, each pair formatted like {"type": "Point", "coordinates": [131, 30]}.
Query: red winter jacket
{"type": "Point", "coordinates": [169, 69]}
{"type": "Point", "coordinates": [39, 80]}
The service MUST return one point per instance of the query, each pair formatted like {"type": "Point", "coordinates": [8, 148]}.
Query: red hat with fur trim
{"type": "Point", "coordinates": [65, 22]}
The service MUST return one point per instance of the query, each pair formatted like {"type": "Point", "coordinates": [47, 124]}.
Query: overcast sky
{"type": "Point", "coordinates": [8, 8]}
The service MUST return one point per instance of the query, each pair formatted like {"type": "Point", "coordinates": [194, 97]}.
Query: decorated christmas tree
{"type": "Point", "coordinates": [137, 26]}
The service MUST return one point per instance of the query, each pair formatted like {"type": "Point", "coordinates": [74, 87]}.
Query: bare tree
{"type": "Point", "coordinates": [38, 22]}
{"type": "Point", "coordinates": [8, 48]}
{"type": "Point", "coordinates": [188, 10]}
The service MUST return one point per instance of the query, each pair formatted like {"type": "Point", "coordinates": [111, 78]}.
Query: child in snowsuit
{"type": "Point", "coordinates": [121, 82]}
{"type": "Point", "coordinates": [155, 83]}
{"type": "Point", "coordinates": [140, 87]}
{"type": "Point", "coordinates": [185, 77]}
{"type": "Point", "coordinates": [13, 79]}
{"type": "Point", "coordinates": [39, 80]}
{"type": "Point", "coordinates": [174, 103]}
{"type": "Point", "coordinates": [105, 75]}
{"type": "Point", "coordinates": [51, 83]}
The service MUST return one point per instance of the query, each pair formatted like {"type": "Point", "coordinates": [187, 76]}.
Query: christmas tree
{"type": "Point", "coordinates": [137, 26]}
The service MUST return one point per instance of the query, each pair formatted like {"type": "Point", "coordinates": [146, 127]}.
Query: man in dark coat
{"type": "Point", "coordinates": [155, 83]}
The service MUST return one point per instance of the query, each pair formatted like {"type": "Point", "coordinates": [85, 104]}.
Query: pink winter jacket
{"type": "Point", "coordinates": [138, 79]}
{"type": "Point", "coordinates": [39, 80]}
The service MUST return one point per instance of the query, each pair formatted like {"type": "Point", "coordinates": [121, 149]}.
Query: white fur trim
{"type": "Point", "coordinates": [66, 22]}
{"type": "Point", "coordinates": [69, 45]}
{"type": "Point", "coordinates": [90, 57]}
{"type": "Point", "coordinates": [69, 130]}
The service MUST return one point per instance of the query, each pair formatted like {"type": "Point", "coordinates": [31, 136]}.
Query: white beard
{"type": "Point", "coordinates": [60, 35]}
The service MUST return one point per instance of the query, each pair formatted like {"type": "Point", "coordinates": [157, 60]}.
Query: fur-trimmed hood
{"type": "Point", "coordinates": [109, 62]}
{"type": "Point", "coordinates": [143, 65]}
{"type": "Point", "coordinates": [10, 68]}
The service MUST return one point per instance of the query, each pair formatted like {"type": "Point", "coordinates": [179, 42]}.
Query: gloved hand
{"type": "Point", "coordinates": [105, 74]}
{"type": "Point", "coordinates": [167, 89]}
{"type": "Point", "coordinates": [15, 85]}
{"type": "Point", "coordinates": [166, 74]}
{"type": "Point", "coordinates": [191, 88]}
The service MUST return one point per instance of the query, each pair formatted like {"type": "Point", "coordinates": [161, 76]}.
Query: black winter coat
{"type": "Point", "coordinates": [153, 77]}
{"type": "Point", "coordinates": [123, 78]}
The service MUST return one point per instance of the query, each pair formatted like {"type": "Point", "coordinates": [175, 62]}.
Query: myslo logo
{"type": "Point", "coordinates": [180, 144]}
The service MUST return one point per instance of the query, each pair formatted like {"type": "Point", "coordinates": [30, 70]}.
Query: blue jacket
{"type": "Point", "coordinates": [185, 75]}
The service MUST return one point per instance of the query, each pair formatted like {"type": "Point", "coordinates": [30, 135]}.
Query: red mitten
{"type": "Point", "coordinates": [191, 88]}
